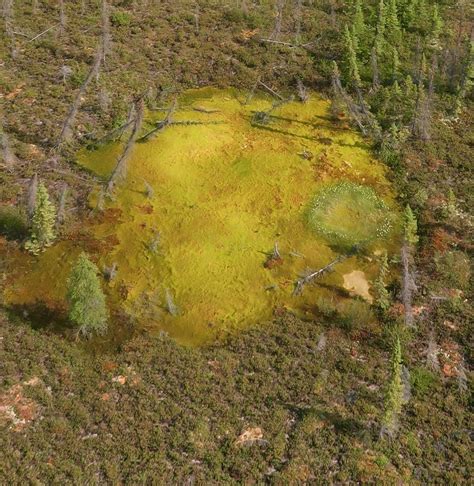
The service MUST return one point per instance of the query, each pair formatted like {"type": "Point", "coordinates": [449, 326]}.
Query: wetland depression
{"type": "Point", "coordinates": [192, 254]}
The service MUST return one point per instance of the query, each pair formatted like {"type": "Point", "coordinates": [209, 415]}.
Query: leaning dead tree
{"type": "Point", "coordinates": [121, 167]}
{"type": "Point", "coordinates": [160, 126]}
{"type": "Point", "coordinates": [298, 15]}
{"type": "Point", "coordinates": [171, 307]}
{"type": "Point", "coordinates": [31, 198]}
{"type": "Point", "coordinates": [263, 117]}
{"type": "Point", "coordinates": [8, 158]}
{"type": "Point", "coordinates": [312, 275]}
{"type": "Point", "coordinates": [66, 131]}
{"type": "Point", "coordinates": [408, 285]}
{"type": "Point", "coordinates": [357, 111]}
{"type": "Point", "coordinates": [105, 28]}
{"type": "Point", "coordinates": [62, 18]}
{"type": "Point", "coordinates": [61, 215]}
{"type": "Point", "coordinates": [7, 12]}
{"type": "Point", "coordinates": [279, 5]}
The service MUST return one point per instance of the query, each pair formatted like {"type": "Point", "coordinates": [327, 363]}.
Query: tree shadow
{"type": "Point", "coordinates": [41, 317]}
{"type": "Point", "coordinates": [283, 132]}
{"type": "Point", "coordinates": [342, 425]}
{"type": "Point", "coordinates": [54, 320]}
{"type": "Point", "coordinates": [309, 124]}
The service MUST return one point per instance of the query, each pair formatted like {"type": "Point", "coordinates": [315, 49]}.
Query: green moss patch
{"type": "Point", "coordinates": [348, 214]}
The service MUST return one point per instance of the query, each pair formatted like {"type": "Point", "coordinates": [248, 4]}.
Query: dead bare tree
{"type": "Point", "coordinates": [311, 275]}
{"type": "Point", "coordinates": [9, 158]}
{"type": "Point", "coordinates": [61, 215]}
{"type": "Point", "coordinates": [7, 12]}
{"type": "Point", "coordinates": [170, 305]}
{"type": "Point", "coordinates": [279, 6]}
{"type": "Point", "coordinates": [62, 18]}
{"type": "Point", "coordinates": [263, 117]}
{"type": "Point", "coordinates": [149, 191]}
{"type": "Point", "coordinates": [303, 94]}
{"type": "Point", "coordinates": [155, 242]}
{"type": "Point", "coordinates": [196, 18]}
{"type": "Point", "coordinates": [110, 272]}
{"type": "Point", "coordinates": [105, 27]}
{"type": "Point", "coordinates": [298, 14]}
{"type": "Point", "coordinates": [422, 117]}
{"type": "Point", "coordinates": [160, 126]}
{"type": "Point", "coordinates": [357, 111]}
{"type": "Point", "coordinates": [375, 69]}
{"type": "Point", "coordinates": [432, 361]}
{"type": "Point", "coordinates": [31, 197]}
{"type": "Point", "coordinates": [408, 285]}
{"type": "Point", "coordinates": [66, 131]}
{"type": "Point", "coordinates": [121, 166]}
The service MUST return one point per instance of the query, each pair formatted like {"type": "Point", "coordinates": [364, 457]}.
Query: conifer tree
{"type": "Point", "coordinates": [380, 29]}
{"type": "Point", "coordinates": [88, 310]}
{"type": "Point", "coordinates": [42, 225]}
{"type": "Point", "coordinates": [436, 27]}
{"type": "Point", "coordinates": [394, 396]}
{"type": "Point", "coordinates": [352, 66]}
{"type": "Point", "coordinates": [382, 298]}
{"type": "Point", "coordinates": [408, 14]}
{"type": "Point", "coordinates": [358, 21]}
{"type": "Point", "coordinates": [410, 226]}
{"type": "Point", "coordinates": [392, 26]}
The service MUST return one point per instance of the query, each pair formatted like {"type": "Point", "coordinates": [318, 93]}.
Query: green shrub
{"type": "Point", "coordinates": [120, 18]}
{"type": "Point", "coordinates": [454, 268]}
{"type": "Point", "coordinates": [355, 314]}
{"type": "Point", "coordinates": [422, 380]}
{"type": "Point", "coordinates": [12, 223]}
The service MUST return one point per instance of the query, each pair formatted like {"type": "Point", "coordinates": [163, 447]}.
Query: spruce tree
{"type": "Point", "coordinates": [351, 56]}
{"type": "Point", "coordinates": [380, 29]}
{"type": "Point", "coordinates": [88, 310]}
{"type": "Point", "coordinates": [392, 26]}
{"type": "Point", "coordinates": [382, 298]}
{"type": "Point", "coordinates": [358, 21]}
{"type": "Point", "coordinates": [410, 226]}
{"type": "Point", "coordinates": [436, 27]}
{"type": "Point", "coordinates": [42, 225]}
{"type": "Point", "coordinates": [394, 396]}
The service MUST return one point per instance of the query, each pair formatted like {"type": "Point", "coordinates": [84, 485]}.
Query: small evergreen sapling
{"type": "Point", "coordinates": [395, 394]}
{"type": "Point", "coordinates": [42, 225]}
{"type": "Point", "coordinates": [411, 227]}
{"type": "Point", "coordinates": [88, 310]}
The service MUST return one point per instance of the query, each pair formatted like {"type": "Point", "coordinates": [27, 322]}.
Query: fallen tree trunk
{"type": "Point", "coordinates": [162, 124]}
{"type": "Point", "coordinates": [121, 166]}
{"type": "Point", "coordinates": [66, 131]}
{"type": "Point", "coordinates": [313, 275]}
